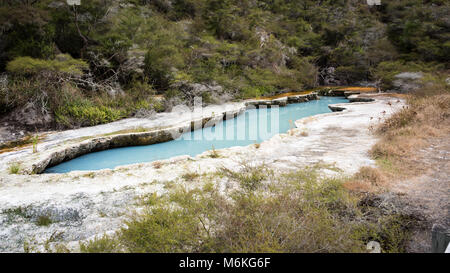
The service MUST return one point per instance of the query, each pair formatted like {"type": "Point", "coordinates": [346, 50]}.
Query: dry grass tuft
{"type": "Point", "coordinates": [157, 164]}
{"type": "Point", "coordinates": [408, 130]}
{"type": "Point", "coordinates": [367, 179]}
{"type": "Point", "coordinates": [304, 133]}
{"type": "Point", "coordinates": [371, 175]}
{"type": "Point", "coordinates": [358, 186]}
{"type": "Point", "coordinates": [190, 176]}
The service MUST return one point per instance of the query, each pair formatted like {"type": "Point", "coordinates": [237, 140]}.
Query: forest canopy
{"type": "Point", "coordinates": [233, 48]}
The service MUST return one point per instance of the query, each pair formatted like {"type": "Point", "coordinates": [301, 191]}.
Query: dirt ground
{"type": "Point", "coordinates": [428, 193]}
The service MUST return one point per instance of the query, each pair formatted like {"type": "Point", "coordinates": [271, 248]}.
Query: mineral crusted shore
{"type": "Point", "coordinates": [81, 205]}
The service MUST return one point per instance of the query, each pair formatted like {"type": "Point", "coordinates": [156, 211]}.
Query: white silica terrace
{"type": "Point", "coordinates": [253, 126]}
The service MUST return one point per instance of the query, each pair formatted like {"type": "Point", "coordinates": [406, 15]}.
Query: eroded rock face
{"type": "Point", "coordinates": [105, 143]}
{"type": "Point", "coordinates": [209, 92]}
{"type": "Point", "coordinates": [408, 81]}
{"type": "Point", "coordinates": [31, 116]}
{"type": "Point", "coordinates": [328, 76]}
{"type": "Point", "coordinates": [145, 113]}
{"type": "Point", "coordinates": [331, 92]}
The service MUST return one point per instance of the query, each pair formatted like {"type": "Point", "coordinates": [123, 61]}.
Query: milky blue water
{"type": "Point", "coordinates": [253, 126]}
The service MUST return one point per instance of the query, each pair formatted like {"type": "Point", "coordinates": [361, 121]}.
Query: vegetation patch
{"type": "Point", "coordinates": [14, 168]}
{"type": "Point", "coordinates": [298, 212]}
{"type": "Point", "coordinates": [43, 220]}
{"type": "Point", "coordinates": [213, 153]}
{"type": "Point", "coordinates": [75, 70]}
{"type": "Point", "coordinates": [190, 176]}
{"type": "Point", "coordinates": [426, 115]}
{"type": "Point", "coordinates": [13, 213]}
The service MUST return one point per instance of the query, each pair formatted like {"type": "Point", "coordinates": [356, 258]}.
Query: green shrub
{"type": "Point", "coordinates": [44, 220]}
{"type": "Point", "coordinates": [103, 244]}
{"type": "Point", "coordinates": [84, 112]}
{"type": "Point", "coordinates": [249, 177]}
{"type": "Point", "coordinates": [159, 62]}
{"type": "Point", "coordinates": [296, 212]}
{"type": "Point", "coordinates": [162, 230]}
{"type": "Point", "coordinates": [14, 168]}
{"type": "Point", "coordinates": [189, 176]}
{"type": "Point", "coordinates": [63, 64]}
{"type": "Point", "coordinates": [386, 71]}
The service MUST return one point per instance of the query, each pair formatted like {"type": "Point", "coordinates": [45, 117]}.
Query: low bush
{"type": "Point", "coordinates": [85, 113]}
{"type": "Point", "coordinates": [63, 63]}
{"type": "Point", "coordinates": [44, 220]}
{"type": "Point", "coordinates": [73, 106]}
{"type": "Point", "coordinates": [296, 212]}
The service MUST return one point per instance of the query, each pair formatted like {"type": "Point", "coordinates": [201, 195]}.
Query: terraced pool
{"type": "Point", "coordinates": [253, 126]}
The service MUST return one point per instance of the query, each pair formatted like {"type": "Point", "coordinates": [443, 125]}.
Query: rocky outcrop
{"type": "Point", "coordinates": [407, 81]}
{"type": "Point", "coordinates": [328, 76]}
{"type": "Point", "coordinates": [356, 98]}
{"type": "Point", "coordinates": [283, 101]}
{"type": "Point", "coordinates": [209, 92]}
{"type": "Point", "coordinates": [302, 98]}
{"type": "Point", "coordinates": [336, 108]}
{"type": "Point", "coordinates": [330, 92]}
{"type": "Point", "coordinates": [31, 116]}
{"type": "Point", "coordinates": [340, 92]}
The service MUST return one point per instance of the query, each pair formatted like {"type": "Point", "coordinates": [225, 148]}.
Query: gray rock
{"type": "Point", "coordinates": [55, 214]}
{"type": "Point", "coordinates": [356, 98]}
{"type": "Point", "coordinates": [73, 2]}
{"type": "Point", "coordinates": [440, 240]}
{"type": "Point", "coordinates": [31, 115]}
{"type": "Point", "coordinates": [408, 81]}
{"type": "Point", "coordinates": [56, 4]}
{"type": "Point", "coordinates": [328, 76]}
{"type": "Point", "coordinates": [282, 101]}
{"type": "Point", "coordinates": [191, 91]}
{"type": "Point", "coordinates": [145, 113]}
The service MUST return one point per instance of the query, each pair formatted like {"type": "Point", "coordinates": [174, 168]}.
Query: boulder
{"type": "Point", "coordinates": [145, 113]}
{"type": "Point", "coordinates": [328, 76]}
{"type": "Point", "coordinates": [356, 98]}
{"type": "Point", "coordinates": [56, 4]}
{"type": "Point", "coordinates": [31, 116]}
{"type": "Point", "coordinates": [408, 81]}
{"type": "Point", "coordinates": [190, 91]}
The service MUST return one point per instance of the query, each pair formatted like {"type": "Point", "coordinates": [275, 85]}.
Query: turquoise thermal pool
{"type": "Point", "coordinates": [252, 126]}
